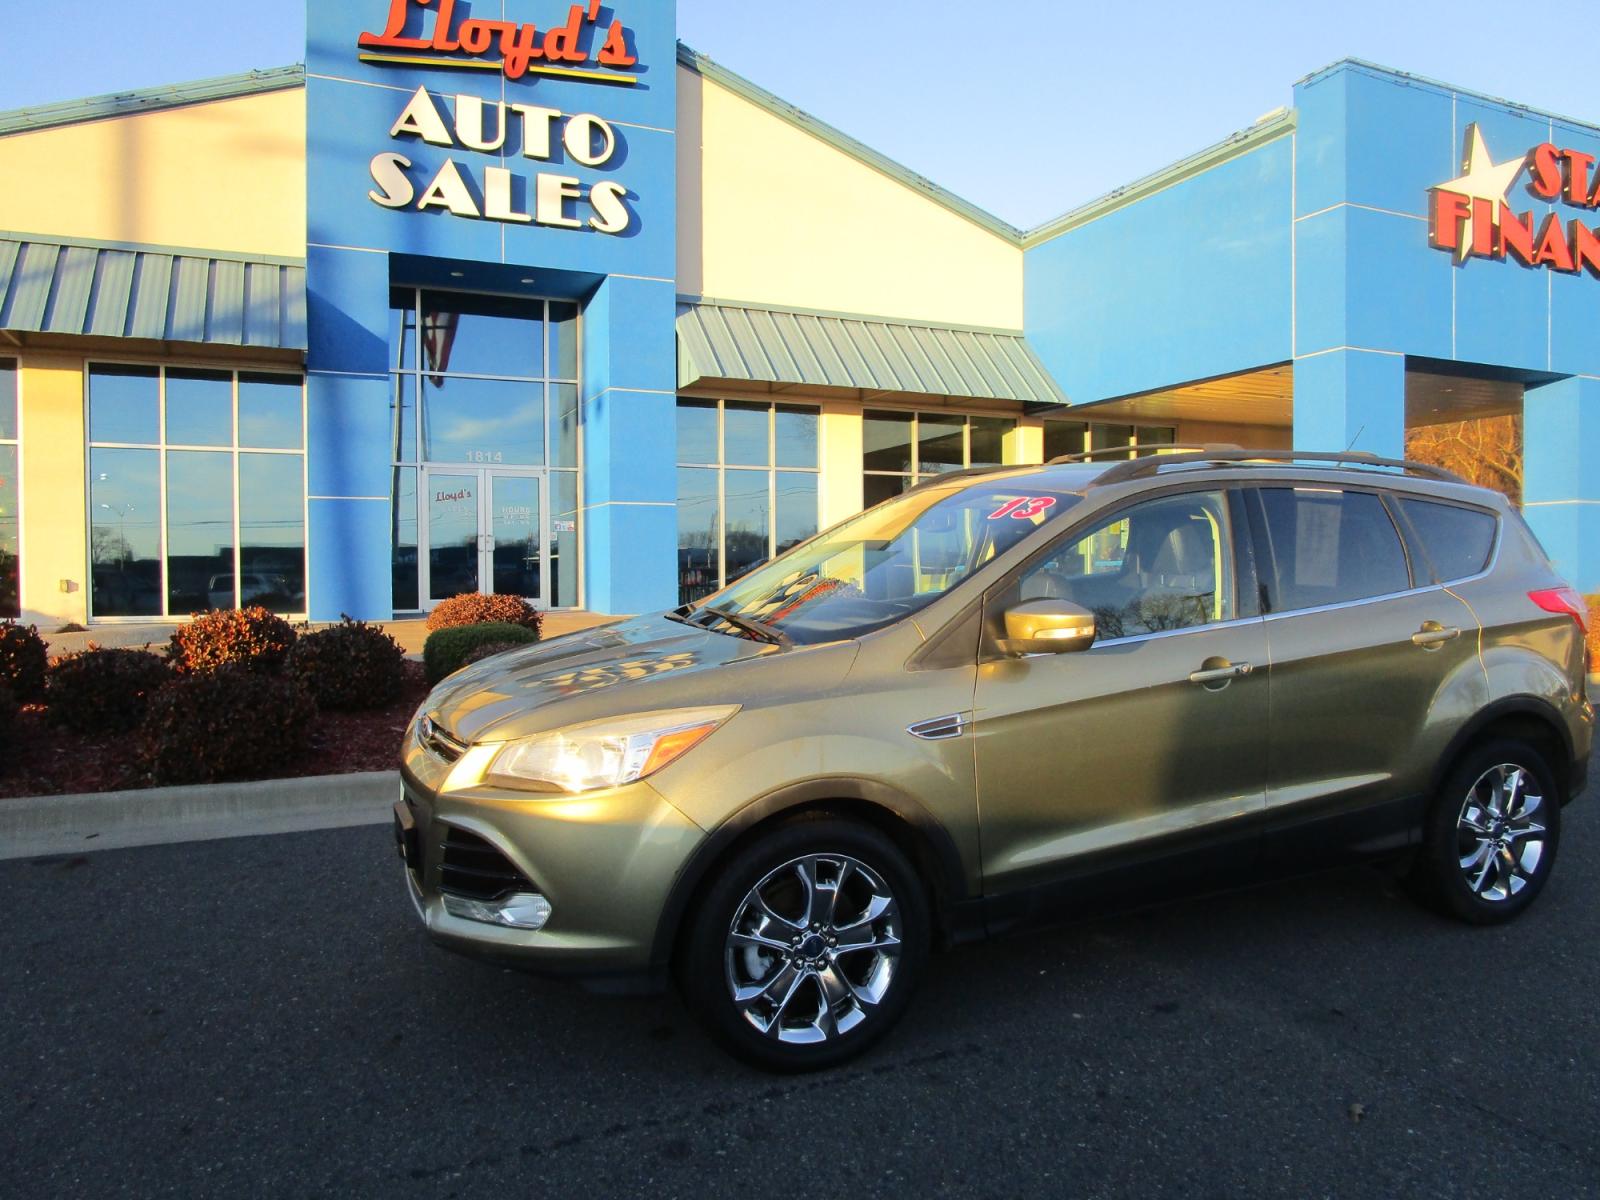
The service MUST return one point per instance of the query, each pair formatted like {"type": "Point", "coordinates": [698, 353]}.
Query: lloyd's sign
{"type": "Point", "coordinates": [1470, 217]}
{"type": "Point", "coordinates": [500, 131]}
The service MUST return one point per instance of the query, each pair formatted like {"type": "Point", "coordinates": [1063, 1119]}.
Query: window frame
{"type": "Point", "coordinates": [15, 443]}
{"type": "Point", "coordinates": [1267, 555]}
{"type": "Point", "coordinates": [772, 470]}
{"type": "Point", "coordinates": [914, 471]}
{"type": "Point", "coordinates": [1139, 449]}
{"type": "Point", "coordinates": [1240, 533]}
{"type": "Point", "coordinates": [161, 448]}
{"type": "Point", "coordinates": [420, 464]}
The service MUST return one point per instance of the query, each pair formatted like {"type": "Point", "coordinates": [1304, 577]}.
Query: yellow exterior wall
{"type": "Point", "coordinates": [224, 175]}
{"type": "Point", "coordinates": [54, 518]}
{"type": "Point", "coordinates": [841, 445]}
{"type": "Point", "coordinates": [770, 214]}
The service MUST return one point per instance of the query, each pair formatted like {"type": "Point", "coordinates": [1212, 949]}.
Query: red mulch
{"type": "Point", "coordinates": [47, 760]}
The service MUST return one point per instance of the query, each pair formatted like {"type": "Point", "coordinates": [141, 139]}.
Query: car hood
{"type": "Point", "coordinates": [635, 666]}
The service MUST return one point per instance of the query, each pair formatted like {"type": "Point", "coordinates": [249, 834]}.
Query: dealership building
{"type": "Point", "coordinates": [554, 305]}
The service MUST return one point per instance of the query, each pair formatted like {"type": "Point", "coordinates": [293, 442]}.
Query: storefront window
{"type": "Point", "coordinates": [1078, 437]}
{"type": "Point", "coordinates": [747, 488]}
{"type": "Point", "coordinates": [902, 449]}
{"type": "Point", "coordinates": [196, 491]}
{"type": "Point", "coordinates": [10, 563]}
{"type": "Point", "coordinates": [485, 404]}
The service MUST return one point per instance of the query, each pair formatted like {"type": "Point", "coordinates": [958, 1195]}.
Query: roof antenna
{"type": "Point", "coordinates": [1355, 439]}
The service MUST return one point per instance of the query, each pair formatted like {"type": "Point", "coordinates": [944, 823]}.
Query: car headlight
{"type": "Point", "coordinates": [601, 754]}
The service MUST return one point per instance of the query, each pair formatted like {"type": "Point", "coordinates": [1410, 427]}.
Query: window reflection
{"type": "Point", "coordinates": [563, 341]}
{"type": "Point", "coordinates": [8, 399]}
{"type": "Point", "coordinates": [199, 408]}
{"type": "Point", "coordinates": [270, 412]}
{"type": "Point", "coordinates": [795, 435]}
{"type": "Point", "coordinates": [199, 531]}
{"type": "Point", "coordinates": [563, 425]}
{"type": "Point", "coordinates": [403, 534]}
{"type": "Point", "coordinates": [746, 525]}
{"type": "Point", "coordinates": [744, 434]}
{"type": "Point", "coordinates": [125, 532]}
{"type": "Point", "coordinates": [272, 538]}
{"type": "Point", "coordinates": [167, 546]}
{"type": "Point", "coordinates": [903, 449]}
{"type": "Point", "coordinates": [564, 545]}
{"type": "Point", "coordinates": [494, 422]}
{"type": "Point", "coordinates": [797, 509]}
{"type": "Point", "coordinates": [481, 335]}
{"type": "Point", "coordinates": [699, 533]}
{"type": "Point", "coordinates": [124, 404]}
{"type": "Point", "coordinates": [10, 599]}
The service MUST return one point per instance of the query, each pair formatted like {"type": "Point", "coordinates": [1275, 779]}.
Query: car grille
{"type": "Point", "coordinates": [440, 743]}
{"type": "Point", "coordinates": [473, 868]}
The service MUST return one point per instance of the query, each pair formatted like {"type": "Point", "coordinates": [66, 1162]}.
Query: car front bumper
{"type": "Point", "coordinates": [605, 862]}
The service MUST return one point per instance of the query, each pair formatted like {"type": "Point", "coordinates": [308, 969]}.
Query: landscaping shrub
{"type": "Point", "coordinates": [22, 661]}
{"type": "Point", "coordinates": [445, 652]}
{"type": "Point", "coordinates": [104, 691]}
{"type": "Point", "coordinates": [1594, 632]}
{"type": "Point", "coordinates": [351, 665]}
{"type": "Point", "coordinates": [474, 608]}
{"type": "Point", "coordinates": [229, 723]}
{"type": "Point", "coordinates": [489, 650]}
{"type": "Point", "coordinates": [8, 717]}
{"type": "Point", "coordinates": [250, 637]}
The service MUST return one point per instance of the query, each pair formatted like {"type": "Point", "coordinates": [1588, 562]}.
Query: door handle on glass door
{"type": "Point", "coordinates": [1219, 670]}
{"type": "Point", "coordinates": [1432, 635]}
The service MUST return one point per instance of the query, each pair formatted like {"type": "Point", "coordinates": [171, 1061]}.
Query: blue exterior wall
{"type": "Point", "coordinates": [1315, 248]}
{"type": "Point", "coordinates": [358, 248]}
{"type": "Point", "coordinates": [1187, 283]}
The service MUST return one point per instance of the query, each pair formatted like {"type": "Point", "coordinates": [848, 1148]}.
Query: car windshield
{"type": "Point", "coordinates": [885, 564]}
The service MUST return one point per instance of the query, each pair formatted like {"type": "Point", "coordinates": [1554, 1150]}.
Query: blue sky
{"type": "Point", "coordinates": [1025, 109]}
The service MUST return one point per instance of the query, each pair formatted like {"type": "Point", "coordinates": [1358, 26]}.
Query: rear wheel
{"type": "Point", "coordinates": [1492, 834]}
{"type": "Point", "coordinates": [808, 945]}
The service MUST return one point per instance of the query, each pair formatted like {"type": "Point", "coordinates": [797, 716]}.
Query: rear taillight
{"type": "Point", "coordinates": [1563, 600]}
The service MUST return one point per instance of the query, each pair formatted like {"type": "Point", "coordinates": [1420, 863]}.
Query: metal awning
{"type": "Point", "coordinates": [720, 341]}
{"type": "Point", "coordinates": [103, 289]}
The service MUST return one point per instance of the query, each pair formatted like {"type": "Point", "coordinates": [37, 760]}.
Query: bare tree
{"type": "Point", "coordinates": [1486, 451]}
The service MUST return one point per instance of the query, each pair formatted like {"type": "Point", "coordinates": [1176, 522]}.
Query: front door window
{"type": "Point", "coordinates": [485, 532]}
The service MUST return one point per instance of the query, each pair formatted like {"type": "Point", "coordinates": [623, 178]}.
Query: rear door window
{"type": "Point", "coordinates": [1457, 541]}
{"type": "Point", "coordinates": [1331, 546]}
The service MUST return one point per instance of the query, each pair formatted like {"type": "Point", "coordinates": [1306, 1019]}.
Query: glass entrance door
{"type": "Point", "coordinates": [485, 531]}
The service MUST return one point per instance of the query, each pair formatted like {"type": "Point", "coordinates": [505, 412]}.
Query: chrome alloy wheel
{"type": "Point", "coordinates": [1500, 836]}
{"type": "Point", "coordinates": [813, 948]}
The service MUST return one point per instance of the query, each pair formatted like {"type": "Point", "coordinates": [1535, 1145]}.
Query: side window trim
{"type": "Point", "coordinates": [1391, 505]}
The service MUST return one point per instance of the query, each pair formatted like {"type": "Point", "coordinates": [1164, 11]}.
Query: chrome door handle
{"type": "Point", "coordinates": [1433, 634]}
{"type": "Point", "coordinates": [1220, 674]}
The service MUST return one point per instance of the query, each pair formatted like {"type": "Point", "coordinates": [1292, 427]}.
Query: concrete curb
{"type": "Point", "coordinates": [31, 826]}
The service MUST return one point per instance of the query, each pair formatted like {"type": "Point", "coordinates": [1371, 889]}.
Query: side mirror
{"type": "Point", "coordinates": [1047, 627]}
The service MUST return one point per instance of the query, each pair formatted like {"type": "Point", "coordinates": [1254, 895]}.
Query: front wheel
{"type": "Point", "coordinates": [808, 945]}
{"type": "Point", "coordinates": [1492, 835]}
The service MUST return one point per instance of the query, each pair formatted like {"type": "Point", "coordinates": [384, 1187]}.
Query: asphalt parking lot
{"type": "Point", "coordinates": [263, 1017]}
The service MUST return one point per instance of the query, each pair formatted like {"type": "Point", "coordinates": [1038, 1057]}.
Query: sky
{"type": "Point", "coordinates": [1025, 109]}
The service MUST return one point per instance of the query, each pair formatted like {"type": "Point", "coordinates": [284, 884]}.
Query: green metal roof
{"type": "Point", "coordinates": [104, 289]}
{"type": "Point", "coordinates": [721, 340]}
{"type": "Point", "coordinates": [121, 104]}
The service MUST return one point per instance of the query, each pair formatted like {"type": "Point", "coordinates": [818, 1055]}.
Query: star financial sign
{"type": "Point", "coordinates": [1470, 217]}
{"type": "Point", "coordinates": [486, 188]}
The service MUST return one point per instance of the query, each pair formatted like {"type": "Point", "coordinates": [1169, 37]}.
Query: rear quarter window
{"type": "Point", "coordinates": [1457, 541]}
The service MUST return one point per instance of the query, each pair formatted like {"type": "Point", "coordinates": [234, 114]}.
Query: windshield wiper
{"type": "Point", "coordinates": [759, 630]}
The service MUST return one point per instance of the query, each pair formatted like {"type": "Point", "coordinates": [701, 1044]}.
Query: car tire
{"type": "Point", "coordinates": [1491, 836]}
{"type": "Point", "coordinates": [789, 984]}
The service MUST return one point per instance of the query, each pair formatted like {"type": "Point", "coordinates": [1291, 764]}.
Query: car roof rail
{"type": "Point", "coordinates": [1220, 456]}
{"type": "Point", "coordinates": [1126, 451]}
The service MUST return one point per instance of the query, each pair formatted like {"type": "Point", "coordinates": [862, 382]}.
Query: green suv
{"type": "Point", "coordinates": [1005, 696]}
